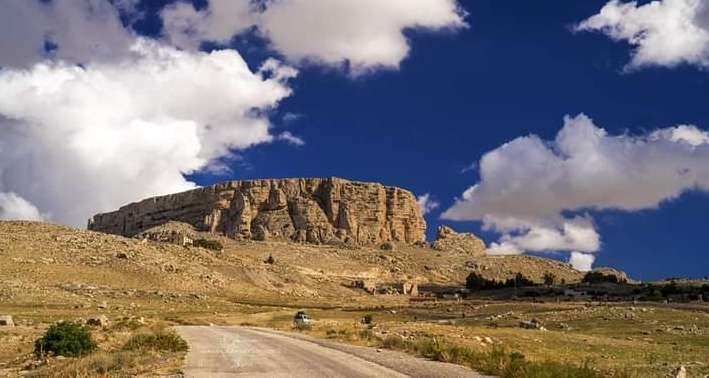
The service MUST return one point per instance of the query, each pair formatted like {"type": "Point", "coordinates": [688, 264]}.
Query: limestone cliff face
{"type": "Point", "coordinates": [312, 210]}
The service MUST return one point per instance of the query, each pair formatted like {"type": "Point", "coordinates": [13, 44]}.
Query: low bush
{"type": "Point", "coordinates": [367, 335]}
{"type": "Point", "coordinates": [100, 364]}
{"type": "Point", "coordinates": [496, 361]}
{"type": "Point", "coordinates": [394, 342]}
{"type": "Point", "coordinates": [213, 245]}
{"type": "Point", "coordinates": [65, 339]}
{"type": "Point", "coordinates": [368, 319]}
{"type": "Point", "coordinates": [162, 342]}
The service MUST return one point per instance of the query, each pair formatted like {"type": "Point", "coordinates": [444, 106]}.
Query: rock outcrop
{"type": "Point", "coordinates": [450, 241]}
{"type": "Point", "coordinates": [311, 210]}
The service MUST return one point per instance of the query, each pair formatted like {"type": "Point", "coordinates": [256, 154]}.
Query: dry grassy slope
{"type": "Point", "coordinates": [43, 263]}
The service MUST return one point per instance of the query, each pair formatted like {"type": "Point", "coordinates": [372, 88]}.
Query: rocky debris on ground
{"type": "Point", "coordinates": [532, 324]}
{"type": "Point", "coordinates": [302, 210]}
{"type": "Point", "coordinates": [177, 233]}
{"type": "Point", "coordinates": [6, 321]}
{"type": "Point", "coordinates": [449, 240]}
{"type": "Point", "coordinates": [387, 246]}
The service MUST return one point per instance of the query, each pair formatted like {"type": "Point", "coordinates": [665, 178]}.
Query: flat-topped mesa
{"type": "Point", "coordinates": [313, 210]}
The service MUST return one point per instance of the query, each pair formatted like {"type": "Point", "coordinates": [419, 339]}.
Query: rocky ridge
{"type": "Point", "coordinates": [312, 210]}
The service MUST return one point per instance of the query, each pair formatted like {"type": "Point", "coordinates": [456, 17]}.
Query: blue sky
{"type": "Point", "coordinates": [517, 69]}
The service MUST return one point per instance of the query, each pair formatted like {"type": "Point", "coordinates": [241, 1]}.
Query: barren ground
{"type": "Point", "coordinates": [49, 273]}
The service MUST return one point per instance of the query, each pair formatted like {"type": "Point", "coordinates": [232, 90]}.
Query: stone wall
{"type": "Point", "coordinates": [312, 210]}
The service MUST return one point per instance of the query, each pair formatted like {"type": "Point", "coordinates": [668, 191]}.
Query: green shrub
{"type": "Point", "coordinates": [65, 339]}
{"type": "Point", "coordinates": [214, 245]}
{"type": "Point", "coordinates": [162, 342]}
{"type": "Point", "coordinates": [368, 318]}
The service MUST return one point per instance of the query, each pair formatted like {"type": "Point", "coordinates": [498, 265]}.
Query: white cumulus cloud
{"type": "Point", "coordinates": [14, 207]}
{"type": "Point", "coordinates": [288, 137]}
{"type": "Point", "coordinates": [528, 186]}
{"type": "Point", "coordinates": [83, 139]}
{"type": "Point", "coordinates": [581, 261]}
{"type": "Point", "coordinates": [366, 34]}
{"type": "Point", "coordinates": [187, 28]}
{"type": "Point", "coordinates": [427, 203]}
{"type": "Point", "coordinates": [662, 32]}
{"type": "Point", "coordinates": [77, 30]}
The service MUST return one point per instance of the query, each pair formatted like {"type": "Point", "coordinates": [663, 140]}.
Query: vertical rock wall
{"type": "Point", "coordinates": [312, 210]}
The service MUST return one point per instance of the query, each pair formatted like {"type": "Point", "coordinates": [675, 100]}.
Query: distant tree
{"type": "Point", "coordinates": [474, 281]}
{"type": "Point", "coordinates": [519, 280]}
{"type": "Point", "coordinates": [600, 277]}
{"type": "Point", "coordinates": [549, 278]}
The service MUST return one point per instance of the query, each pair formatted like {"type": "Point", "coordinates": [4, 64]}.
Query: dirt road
{"type": "Point", "coordinates": [249, 352]}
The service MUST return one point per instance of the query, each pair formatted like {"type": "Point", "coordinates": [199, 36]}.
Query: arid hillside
{"type": "Point", "coordinates": [42, 263]}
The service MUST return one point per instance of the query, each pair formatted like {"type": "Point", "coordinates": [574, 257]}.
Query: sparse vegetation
{"type": "Point", "coordinates": [368, 318]}
{"type": "Point", "coordinates": [270, 260]}
{"type": "Point", "coordinates": [96, 365]}
{"type": "Point", "coordinates": [497, 361]}
{"type": "Point", "coordinates": [65, 339]}
{"type": "Point", "coordinates": [549, 278]}
{"type": "Point", "coordinates": [161, 342]}
{"type": "Point", "coordinates": [160, 279]}
{"type": "Point", "coordinates": [210, 244]}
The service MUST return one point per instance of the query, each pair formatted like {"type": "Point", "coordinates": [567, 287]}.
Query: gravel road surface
{"type": "Point", "coordinates": [251, 352]}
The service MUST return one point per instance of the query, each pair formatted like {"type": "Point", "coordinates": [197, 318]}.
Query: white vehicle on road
{"type": "Point", "coordinates": [301, 319]}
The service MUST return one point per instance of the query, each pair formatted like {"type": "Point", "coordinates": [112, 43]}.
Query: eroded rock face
{"type": "Point", "coordinates": [451, 241]}
{"type": "Point", "coordinates": [303, 210]}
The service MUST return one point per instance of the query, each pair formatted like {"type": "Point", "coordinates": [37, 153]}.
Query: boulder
{"type": "Point", "coordinates": [370, 286]}
{"type": "Point", "coordinates": [260, 233]}
{"type": "Point", "coordinates": [410, 288]}
{"type": "Point", "coordinates": [97, 321]}
{"type": "Point", "coordinates": [6, 321]}
{"type": "Point", "coordinates": [449, 240]}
